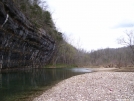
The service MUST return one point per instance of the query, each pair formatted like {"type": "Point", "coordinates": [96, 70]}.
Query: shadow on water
{"type": "Point", "coordinates": [19, 85]}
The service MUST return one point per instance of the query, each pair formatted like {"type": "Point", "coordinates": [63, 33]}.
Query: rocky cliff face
{"type": "Point", "coordinates": [21, 44]}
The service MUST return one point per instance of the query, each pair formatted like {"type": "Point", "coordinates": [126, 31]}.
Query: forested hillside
{"type": "Point", "coordinates": [65, 54]}
{"type": "Point", "coordinates": [110, 57]}
{"type": "Point", "coordinates": [119, 57]}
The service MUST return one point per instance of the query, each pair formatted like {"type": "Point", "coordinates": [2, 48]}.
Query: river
{"type": "Point", "coordinates": [19, 85]}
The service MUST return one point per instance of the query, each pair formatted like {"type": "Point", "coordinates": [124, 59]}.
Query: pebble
{"type": "Point", "coordinates": [98, 86]}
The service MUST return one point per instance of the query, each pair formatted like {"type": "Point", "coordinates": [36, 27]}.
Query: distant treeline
{"type": "Point", "coordinates": [110, 57]}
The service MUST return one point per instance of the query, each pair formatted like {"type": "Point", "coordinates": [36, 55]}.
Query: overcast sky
{"type": "Point", "coordinates": [93, 24]}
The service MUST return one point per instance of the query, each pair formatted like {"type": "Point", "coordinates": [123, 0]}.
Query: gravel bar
{"type": "Point", "coordinates": [97, 86]}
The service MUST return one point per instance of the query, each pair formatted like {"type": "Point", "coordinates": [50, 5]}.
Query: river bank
{"type": "Point", "coordinates": [26, 84]}
{"type": "Point", "coordinates": [97, 86]}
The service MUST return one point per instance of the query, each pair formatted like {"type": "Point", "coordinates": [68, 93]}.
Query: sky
{"type": "Point", "coordinates": [93, 24]}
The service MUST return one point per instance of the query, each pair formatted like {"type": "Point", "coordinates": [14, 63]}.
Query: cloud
{"type": "Point", "coordinates": [125, 25]}
{"type": "Point", "coordinates": [97, 23]}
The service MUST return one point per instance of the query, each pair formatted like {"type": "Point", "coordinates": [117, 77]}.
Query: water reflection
{"type": "Point", "coordinates": [15, 83]}
{"type": "Point", "coordinates": [81, 70]}
{"type": "Point", "coordinates": [0, 80]}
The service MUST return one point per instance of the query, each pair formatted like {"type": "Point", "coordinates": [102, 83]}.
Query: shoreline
{"type": "Point", "coordinates": [96, 86]}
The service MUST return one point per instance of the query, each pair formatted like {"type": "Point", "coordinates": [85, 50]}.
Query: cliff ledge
{"type": "Point", "coordinates": [21, 43]}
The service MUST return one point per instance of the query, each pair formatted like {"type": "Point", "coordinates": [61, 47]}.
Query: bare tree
{"type": "Point", "coordinates": [128, 40]}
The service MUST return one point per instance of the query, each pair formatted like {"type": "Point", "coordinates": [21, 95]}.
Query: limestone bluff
{"type": "Point", "coordinates": [21, 43]}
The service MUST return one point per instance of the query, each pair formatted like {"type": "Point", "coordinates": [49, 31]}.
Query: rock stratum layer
{"type": "Point", "coordinates": [21, 44]}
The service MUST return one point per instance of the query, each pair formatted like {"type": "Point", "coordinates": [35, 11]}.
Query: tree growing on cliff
{"type": "Point", "coordinates": [65, 53]}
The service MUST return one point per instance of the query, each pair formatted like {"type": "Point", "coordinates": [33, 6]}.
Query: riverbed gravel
{"type": "Point", "coordinates": [97, 86]}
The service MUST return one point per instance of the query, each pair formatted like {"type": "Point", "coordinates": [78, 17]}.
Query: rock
{"type": "Point", "coordinates": [22, 44]}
